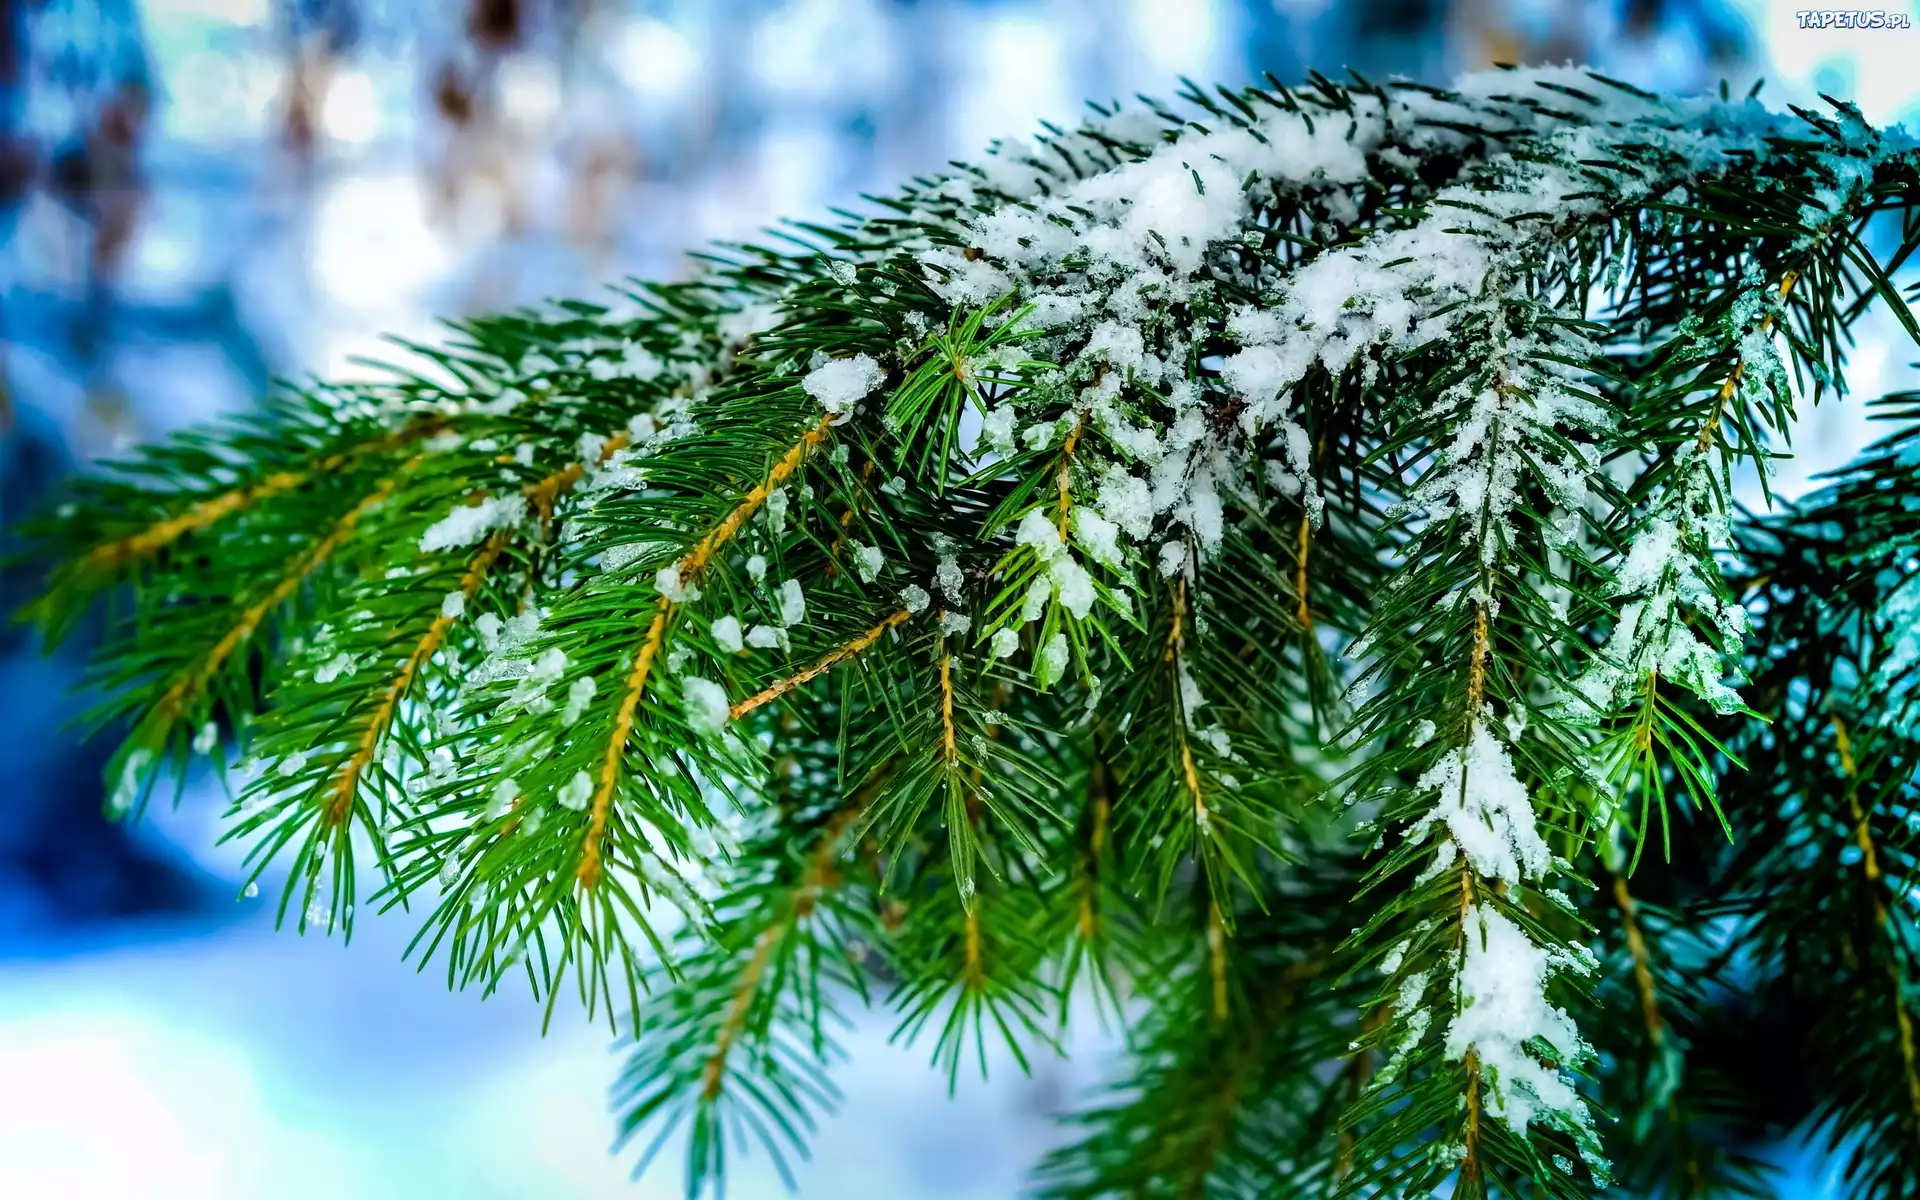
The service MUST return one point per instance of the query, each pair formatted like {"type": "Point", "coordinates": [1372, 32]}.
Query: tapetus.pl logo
{"type": "Point", "coordinates": [1853, 18]}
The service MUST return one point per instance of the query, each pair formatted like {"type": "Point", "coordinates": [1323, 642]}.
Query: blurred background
{"type": "Point", "coordinates": [199, 195]}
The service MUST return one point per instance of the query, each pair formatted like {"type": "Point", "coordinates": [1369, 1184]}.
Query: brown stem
{"type": "Point", "coordinates": [949, 744]}
{"type": "Point", "coordinates": [1477, 664]}
{"type": "Point", "coordinates": [1643, 735]}
{"type": "Point", "coordinates": [1064, 477]}
{"type": "Point", "coordinates": [1102, 812]}
{"type": "Point", "coordinates": [1470, 1140]}
{"type": "Point", "coordinates": [541, 497]}
{"type": "Point", "coordinates": [1099, 810]}
{"type": "Point", "coordinates": [1870, 867]}
{"type": "Point", "coordinates": [1358, 1070]}
{"type": "Point", "coordinates": [1200, 814]}
{"type": "Point", "coordinates": [174, 702]}
{"type": "Point", "coordinates": [589, 869]}
{"type": "Point", "coordinates": [832, 659]}
{"type": "Point", "coordinates": [1642, 961]}
{"type": "Point", "coordinates": [1270, 1011]}
{"type": "Point", "coordinates": [817, 877]}
{"type": "Point", "coordinates": [846, 520]}
{"type": "Point", "coordinates": [1217, 960]}
{"type": "Point", "coordinates": [1304, 612]}
{"type": "Point", "coordinates": [346, 783]}
{"type": "Point", "coordinates": [975, 974]}
{"type": "Point", "coordinates": [1732, 384]}
{"type": "Point", "coordinates": [690, 566]}
{"type": "Point", "coordinates": [1176, 644]}
{"type": "Point", "coordinates": [738, 1008]}
{"type": "Point", "coordinates": [697, 559]}
{"type": "Point", "coordinates": [1176, 634]}
{"type": "Point", "coordinates": [164, 533]}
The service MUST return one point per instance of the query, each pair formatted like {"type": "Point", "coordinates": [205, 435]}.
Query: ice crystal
{"type": "Point", "coordinates": [707, 708]}
{"type": "Point", "coordinates": [577, 791]}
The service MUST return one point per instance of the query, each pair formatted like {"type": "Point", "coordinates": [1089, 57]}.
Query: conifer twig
{"type": "Point", "coordinates": [1642, 961]}
{"type": "Point", "coordinates": [827, 662]}
{"type": "Point", "coordinates": [346, 784]}
{"type": "Point", "coordinates": [184, 688]}
{"type": "Point", "coordinates": [540, 497]}
{"type": "Point", "coordinates": [689, 567]}
{"type": "Point", "coordinates": [1870, 869]}
{"type": "Point", "coordinates": [206, 512]}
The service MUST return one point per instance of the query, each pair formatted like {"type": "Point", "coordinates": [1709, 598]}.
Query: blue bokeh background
{"type": "Point", "coordinates": [198, 195]}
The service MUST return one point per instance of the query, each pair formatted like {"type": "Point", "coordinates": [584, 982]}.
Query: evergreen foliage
{"type": "Point", "coordinates": [1267, 564]}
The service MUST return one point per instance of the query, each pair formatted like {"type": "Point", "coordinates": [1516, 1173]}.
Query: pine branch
{"type": "Point", "coordinates": [1216, 1108]}
{"type": "Point", "coordinates": [1052, 577]}
{"type": "Point", "coordinates": [741, 1039]}
{"type": "Point", "coordinates": [1835, 773]}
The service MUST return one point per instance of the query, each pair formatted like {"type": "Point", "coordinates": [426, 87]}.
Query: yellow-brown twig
{"type": "Point", "coordinates": [1732, 384]}
{"type": "Point", "coordinates": [1089, 922]}
{"type": "Point", "coordinates": [949, 744]}
{"type": "Point", "coordinates": [1477, 664]}
{"type": "Point", "coordinates": [815, 879]}
{"type": "Point", "coordinates": [1065, 476]}
{"type": "Point", "coordinates": [164, 533]}
{"type": "Point", "coordinates": [690, 566]}
{"type": "Point", "coordinates": [1244, 1054]}
{"type": "Point", "coordinates": [1176, 641]}
{"type": "Point", "coordinates": [819, 876]}
{"type": "Point", "coordinates": [1187, 768]}
{"type": "Point", "coordinates": [1470, 1140]}
{"type": "Point", "coordinates": [1102, 813]}
{"type": "Point", "coordinates": [1870, 867]}
{"type": "Point", "coordinates": [1303, 611]}
{"type": "Point", "coordinates": [847, 518]}
{"type": "Point", "coordinates": [697, 559]}
{"type": "Point", "coordinates": [541, 497]}
{"type": "Point", "coordinates": [1217, 960]}
{"type": "Point", "coordinates": [205, 513]}
{"type": "Point", "coordinates": [589, 869]}
{"type": "Point", "coordinates": [829, 661]}
{"type": "Point", "coordinates": [543, 494]}
{"type": "Point", "coordinates": [737, 1009]}
{"type": "Point", "coordinates": [1642, 961]}
{"type": "Point", "coordinates": [174, 702]}
{"type": "Point", "coordinates": [1358, 1070]}
{"type": "Point", "coordinates": [1643, 729]}
{"type": "Point", "coordinates": [1470, 1163]}
{"type": "Point", "coordinates": [346, 784]}
{"type": "Point", "coordinates": [1177, 633]}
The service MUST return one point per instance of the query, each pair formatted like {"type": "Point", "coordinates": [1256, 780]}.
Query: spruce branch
{"type": "Point", "coordinates": [1269, 560]}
